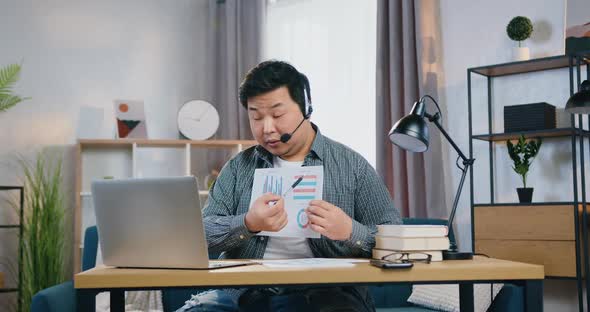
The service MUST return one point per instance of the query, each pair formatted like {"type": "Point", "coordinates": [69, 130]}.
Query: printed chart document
{"type": "Point", "coordinates": [311, 263]}
{"type": "Point", "coordinates": [279, 181]}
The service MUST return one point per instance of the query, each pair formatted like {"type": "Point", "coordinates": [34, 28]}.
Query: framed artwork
{"type": "Point", "coordinates": [130, 117]}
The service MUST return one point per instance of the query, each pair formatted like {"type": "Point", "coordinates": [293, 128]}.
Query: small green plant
{"type": "Point", "coordinates": [44, 243]}
{"type": "Point", "coordinates": [8, 77]}
{"type": "Point", "coordinates": [522, 154]}
{"type": "Point", "coordinates": [520, 28]}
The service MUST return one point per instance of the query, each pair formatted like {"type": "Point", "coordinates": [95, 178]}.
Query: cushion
{"type": "Point", "coordinates": [446, 297]}
{"type": "Point", "coordinates": [143, 300]}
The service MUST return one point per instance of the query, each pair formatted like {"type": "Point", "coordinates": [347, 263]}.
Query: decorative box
{"type": "Point", "coordinates": [526, 117]}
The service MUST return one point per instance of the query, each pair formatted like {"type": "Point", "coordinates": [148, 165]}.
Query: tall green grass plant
{"type": "Point", "coordinates": [44, 240]}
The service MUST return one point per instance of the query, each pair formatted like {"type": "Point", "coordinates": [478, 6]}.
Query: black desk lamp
{"type": "Point", "coordinates": [411, 134]}
{"type": "Point", "coordinates": [579, 103]}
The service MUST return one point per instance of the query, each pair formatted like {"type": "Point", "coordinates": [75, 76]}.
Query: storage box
{"type": "Point", "coordinates": [575, 45]}
{"type": "Point", "coordinates": [526, 117]}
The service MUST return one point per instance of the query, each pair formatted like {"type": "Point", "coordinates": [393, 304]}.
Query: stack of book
{"type": "Point", "coordinates": [411, 239]}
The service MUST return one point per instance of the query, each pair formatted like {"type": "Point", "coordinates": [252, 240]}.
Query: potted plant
{"type": "Point", "coordinates": [519, 29]}
{"type": "Point", "coordinates": [8, 77]}
{"type": "Point", "coordinates": [522, 154]}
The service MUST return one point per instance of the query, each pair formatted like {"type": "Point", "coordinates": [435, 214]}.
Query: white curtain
{"type": "Point", "coordinates": [333, 42]}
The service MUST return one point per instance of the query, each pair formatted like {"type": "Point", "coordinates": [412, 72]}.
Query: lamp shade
{"type": "Point", "coordinates": [411, 132]}
{"type": "Point", "coordinates": [579, 103]}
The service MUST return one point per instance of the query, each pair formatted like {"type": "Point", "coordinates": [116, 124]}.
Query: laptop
{"type": "Point", "coordinates": [152, 223]}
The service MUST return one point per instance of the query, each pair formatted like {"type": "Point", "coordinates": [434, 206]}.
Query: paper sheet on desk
{"type": "Point", "coordinates": [278, 181]}
{"type": "Point", "coordinates": [311, 263]}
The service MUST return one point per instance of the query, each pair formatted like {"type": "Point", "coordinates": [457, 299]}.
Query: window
{"type": "Point", "coordinates": [334, 43]}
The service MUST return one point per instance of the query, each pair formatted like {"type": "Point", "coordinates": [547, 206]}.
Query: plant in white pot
{"type": "Point", "coordinates": [522, 155]}
{"type": "Point", "coordinates": [519, 29]}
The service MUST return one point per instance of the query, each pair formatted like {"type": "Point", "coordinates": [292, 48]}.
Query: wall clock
{"type": "Point", "coordinates": [198, 120]}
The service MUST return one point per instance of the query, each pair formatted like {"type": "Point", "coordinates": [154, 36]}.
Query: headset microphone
{"type": "Point", "coordinates": [287, 136]}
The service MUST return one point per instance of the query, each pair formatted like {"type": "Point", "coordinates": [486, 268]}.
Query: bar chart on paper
{"type": "Point", "coordinates": [306, 189]}
{"type": "Point", "coordinates": [298, 186]}
{"type": "Point", "coordinates": [273, 184]}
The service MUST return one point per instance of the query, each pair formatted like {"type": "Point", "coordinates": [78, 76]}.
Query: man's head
{"type": "Point", "coordinates": [271, 75]}
{"type": "Point", "coordinates": [274, 93]}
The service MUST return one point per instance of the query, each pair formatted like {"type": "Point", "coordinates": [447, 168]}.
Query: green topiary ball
{"type": "Point", "coordinates": [519, 28]}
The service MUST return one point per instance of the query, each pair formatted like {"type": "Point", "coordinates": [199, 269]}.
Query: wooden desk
{"type": "Point", "coordinates": [465, 272]}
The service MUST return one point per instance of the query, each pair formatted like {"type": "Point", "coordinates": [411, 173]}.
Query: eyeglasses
{"type": "Point", "coordinates": [404, 257]}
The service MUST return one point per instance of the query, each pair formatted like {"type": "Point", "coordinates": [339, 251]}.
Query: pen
{"type": "Point", "coordinates": [293, 186]}
{"type": "Point", "coordinates": [272, 203]}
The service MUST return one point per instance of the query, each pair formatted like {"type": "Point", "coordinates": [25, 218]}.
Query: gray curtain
{"type": "Point", "coordinates": [405, 44]}
{"type": "Point", "coordinates": [234, 46]}
{"type": "Point", "coordinates": [237, 29]}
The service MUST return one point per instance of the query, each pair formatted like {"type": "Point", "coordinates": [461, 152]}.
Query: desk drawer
{"type": "Point", "coordinates": [538, 222]}
{"type": "Point", "coordinates": [558, 257]}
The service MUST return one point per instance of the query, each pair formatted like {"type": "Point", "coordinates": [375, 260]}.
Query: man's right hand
{"type": "Point", "coordinates": [263, 216]}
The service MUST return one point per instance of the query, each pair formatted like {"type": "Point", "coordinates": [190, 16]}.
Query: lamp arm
{"type": "Point", "coordinates": [467, 163]}
{"type": "Point", "coordinates": [433, 101]}
{"type": "Point", "coordinates": [456, 200]}
{"type": "Point", "coordinates": [434, 119]}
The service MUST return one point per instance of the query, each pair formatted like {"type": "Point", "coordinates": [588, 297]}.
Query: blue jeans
{"type": "Point", "coordinates": [320, 299]}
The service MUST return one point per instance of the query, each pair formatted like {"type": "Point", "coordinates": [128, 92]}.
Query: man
{"type": "Point", "coordinates": [278, 101]}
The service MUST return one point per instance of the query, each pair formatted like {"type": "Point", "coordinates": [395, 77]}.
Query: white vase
{"type": "Point", "coordinates": [521, 53]}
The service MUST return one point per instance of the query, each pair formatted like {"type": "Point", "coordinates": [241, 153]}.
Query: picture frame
{"type": "Point", "coordinates": [130, 119]}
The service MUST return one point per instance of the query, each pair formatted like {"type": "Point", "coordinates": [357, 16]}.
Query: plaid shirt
{"type": "Point", "coordinates": [350, 183]}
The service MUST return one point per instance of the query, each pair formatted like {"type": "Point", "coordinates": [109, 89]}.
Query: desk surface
{"type": "Point", "coordinates": [480, 268]}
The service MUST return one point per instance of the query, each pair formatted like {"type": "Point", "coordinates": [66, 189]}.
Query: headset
{"type": "Point", "coordinates": [307, 98]}
{"type": "Point", "coordinates": [308, 108]}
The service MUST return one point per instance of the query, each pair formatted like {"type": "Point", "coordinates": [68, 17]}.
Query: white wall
{"type": "Point", "coordinates": [87, 53]}
{"type": "Point", "coordinates": [78, 53]}
{"type": "Point", "coordinates": [473, 34]}
{"type": "Point", "coordinates": [577, 12]}
{"type": "Point", "coordinates": [333, 42]}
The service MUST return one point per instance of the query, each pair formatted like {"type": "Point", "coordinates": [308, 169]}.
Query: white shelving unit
{"type": "Point", "coordinates": [124, 158]}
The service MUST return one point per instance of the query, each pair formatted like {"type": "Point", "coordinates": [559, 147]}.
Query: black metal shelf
{"type": "Point", "coordinates": [19, 226]}
{"type": "Point", "coordinates": [10, 226]}
{"type": "Point", "coordinates": [525, 204]}
{"type": "Point", "coordinates": [574, 64]}
{"type": "Point", "coordinates": [545, 133]}
{"type": "Point", "coordinates": [10, 187]}
{"type": "Point", "coordinates": [522, 67]}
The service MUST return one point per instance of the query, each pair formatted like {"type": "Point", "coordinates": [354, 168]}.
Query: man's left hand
{"type": "Point", "coordinates": [329, 220]}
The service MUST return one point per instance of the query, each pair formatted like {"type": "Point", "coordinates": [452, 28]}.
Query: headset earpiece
{"type": "Point", "coordinates": [285, 137]}
{"type": "Point", "coordinates": [307, 98]}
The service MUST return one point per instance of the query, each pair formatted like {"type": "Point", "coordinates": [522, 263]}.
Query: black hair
{"type": "Point", "coordinates": [271, 75]}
